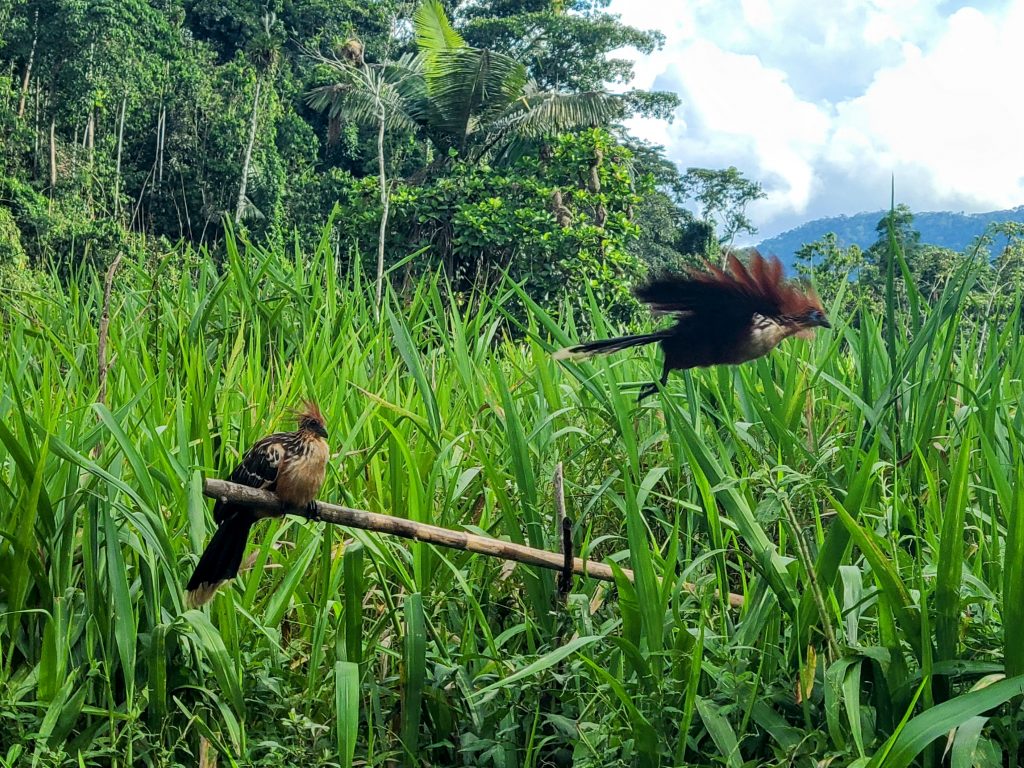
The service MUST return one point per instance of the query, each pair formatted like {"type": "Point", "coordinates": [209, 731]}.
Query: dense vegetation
{"type": "Point", "coordinates": [864, 494]}
{"type": "Point", "coordinates": [133, 126]}
{"type": "Point", "coordinates": [209, 211]}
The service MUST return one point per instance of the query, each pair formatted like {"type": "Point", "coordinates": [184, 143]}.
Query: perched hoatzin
{"type": "Point", "coordinates": [292, 465]}
{"type": "Point", "coordinates": [722, 317]}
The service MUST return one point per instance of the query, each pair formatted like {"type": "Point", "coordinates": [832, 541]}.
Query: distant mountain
{"type": "Point", "coordinates": [945, 228]}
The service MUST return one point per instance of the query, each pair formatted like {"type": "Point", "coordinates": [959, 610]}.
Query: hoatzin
{"type": "Point", "coordinates": [292, 465]}
{"type": "Point", "coordinates": [723, 317]}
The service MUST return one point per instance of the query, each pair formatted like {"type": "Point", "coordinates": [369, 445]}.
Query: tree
{"type": "Point", "coordinates": [469, 102]}
{"type": "Point", "coordinates": [831, 268]}
{"type": "Point", "coordinates": [671, 237]}
{"type": "Point", "coordinates": [567, 46]}
{"type": "Point", "coordinates": [385, 96]}
{"type": "Point", "coordinates": [480, 102]}
{"type": "Point", "coordinates": [723, 197]}
{"type": "Point", "coordinates": [264, 52]}
{"type": "Point", "coordinates": [901, 220]}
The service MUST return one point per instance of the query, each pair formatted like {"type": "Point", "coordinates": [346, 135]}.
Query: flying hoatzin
{"type": "Point", "coordinates": [292, 465]}
{"type": "Point", "coordinates": [722, 317]}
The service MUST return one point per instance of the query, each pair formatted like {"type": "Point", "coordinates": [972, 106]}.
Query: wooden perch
{"type": "Point", "coordinates": [269, 505]}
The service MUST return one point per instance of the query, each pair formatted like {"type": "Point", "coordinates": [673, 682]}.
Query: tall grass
{"type": "Point", "coordinates": [863, 492]}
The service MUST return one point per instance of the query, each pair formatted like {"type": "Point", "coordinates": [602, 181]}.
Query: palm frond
{"type": "Point", "coordinates": [543, 112]}
{"type": "Point", "coordinates": [434, 33]}
{"type": "Point", "coordinates": [469, 87]}
{"type": "Point", "coordinates": [363, 106]}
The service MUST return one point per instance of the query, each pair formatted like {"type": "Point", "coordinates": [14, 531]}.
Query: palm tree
{"type": "Point", "coordinates": [378, 95]}
{"type": "Point", "coordinates": [482, 103]}
{"type": "Point", "coordinates": [470, 103]}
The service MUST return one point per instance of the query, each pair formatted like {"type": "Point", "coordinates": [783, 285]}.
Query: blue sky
{"type": "Point", "coordinates": [824, 103]}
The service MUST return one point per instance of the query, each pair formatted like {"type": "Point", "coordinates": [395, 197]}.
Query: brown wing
{"type": "Point", "coordinates": [737, 293]}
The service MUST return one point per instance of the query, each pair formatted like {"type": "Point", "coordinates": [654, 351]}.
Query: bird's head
{"type": "Point", "coordinates": [311, 419]}
{"type": "Point", "coordinates": [805, 312]}
{"type": "Point", "coordinates": [814, 318]}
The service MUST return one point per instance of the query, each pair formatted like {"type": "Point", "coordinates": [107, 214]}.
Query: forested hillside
{"type": "Point", "coordinates": [946, 229]}
{"type": "Point", "coordinates": [141, 126]}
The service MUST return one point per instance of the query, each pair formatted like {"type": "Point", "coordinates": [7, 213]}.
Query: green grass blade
{"type": "Point", "coordinates": [414, 662]}
{"type": "Point", "coordinates": [922, 730]}
{"type": "Point", "coordinates": [346, 710]}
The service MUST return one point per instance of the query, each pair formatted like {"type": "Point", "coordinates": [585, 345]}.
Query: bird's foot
{"type": "Point", "coordinates": [646, 391]}
{"type": "Point", "coordinates": [312, 512]}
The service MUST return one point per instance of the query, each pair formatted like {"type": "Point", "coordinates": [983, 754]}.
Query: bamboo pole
{"type": "Point", "coordinates": [269, 505]}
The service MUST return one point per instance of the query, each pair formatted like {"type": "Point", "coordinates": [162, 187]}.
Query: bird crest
{"type": "Point", "coordinates": [309, 416]}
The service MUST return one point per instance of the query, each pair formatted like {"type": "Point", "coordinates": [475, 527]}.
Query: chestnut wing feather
{"type": "Point", "coordinates": [738, 293]}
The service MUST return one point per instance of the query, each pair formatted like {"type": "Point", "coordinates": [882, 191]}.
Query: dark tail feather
{"type": "Point", "coordinates": [220, 560]}
{"type": "Point", "coordinates": [605, 346]}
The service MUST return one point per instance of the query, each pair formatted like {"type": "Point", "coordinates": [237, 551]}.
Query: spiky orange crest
{"type": "Point", "coordinates": [309, 415]}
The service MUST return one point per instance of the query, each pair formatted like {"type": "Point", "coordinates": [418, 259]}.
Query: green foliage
{"type": "Point", "coordinates": [723, 197]}
{"type": "Point", "coordinates": [478, 223]}
{"type": "Point", "coordinates": [831, 269]}
{"type": "Point", "coordinates": [953, 230]}
{"type": "Point", "coordinates": [568, 46]}
{"type": "Point", "coordinates": [140, 123]}
{"type": "Point", "coordinates": [58, 233]}
{"type": "Point", "coordinates": [901, 476]}
{"type": "Point", "coordinates": [12, 255]}
{"type": "Point", "coordinates": [14, 270]}
{"type": "Point", "coordinates": [855, 281]}
{"type": "Point", "coordinates": [671, 236]}
{"type": "Point", "coordinates": [472, 103]}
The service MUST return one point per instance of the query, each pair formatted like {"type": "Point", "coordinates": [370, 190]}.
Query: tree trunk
{"type": "Point", "coordinates": [385, 202]}
{"type": "Point", "coordinates": [36, 136]}
{"type": "Point", "coordinates": [90, 145]}
{"type": "Point", "coordinates": [161, 130]}
{"type": "Point", "coordinates": [240, 207]}
{"type": "Point", "coordinates": [53, 154]}
{"type": "Point", "coordinates": [28, 69]}
{"type": "Point", "coordinates": [120, 147]}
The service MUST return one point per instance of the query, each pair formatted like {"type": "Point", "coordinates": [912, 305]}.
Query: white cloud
{"type": "Point", "coordinates": [744, 109]}
{"type": "Point", "coordinates": [823, 107]}
{"type": "Point", "coordinates": [951, 111]}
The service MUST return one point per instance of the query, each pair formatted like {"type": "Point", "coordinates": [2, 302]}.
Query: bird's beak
{"type": "Point", "coordinates": [824, 323]}
{"type": "Point", "coordinates": [322, 431]}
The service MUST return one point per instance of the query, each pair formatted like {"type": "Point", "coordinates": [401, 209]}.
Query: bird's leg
{"type": "Point", "coordinates": [312, 512]}
{"type": "Point", "coordinates": [649, 389]}
{"type": "Point", "coordinates": [646, 391]}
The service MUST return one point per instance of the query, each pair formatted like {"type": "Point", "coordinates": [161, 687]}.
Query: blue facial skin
{"type": "Point", "coordinates": [816, 317]}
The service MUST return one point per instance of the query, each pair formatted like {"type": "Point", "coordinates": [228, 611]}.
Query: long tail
{"type": "Point", "coordinates": [221, 558]}
{"type": "Point", "coordinates": [605, 346]}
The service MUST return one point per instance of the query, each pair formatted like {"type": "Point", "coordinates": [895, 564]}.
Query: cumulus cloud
{"type": "Point", "coordinates": [825, 108]}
